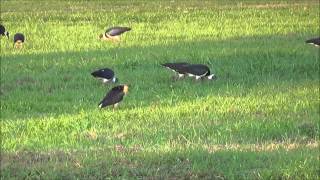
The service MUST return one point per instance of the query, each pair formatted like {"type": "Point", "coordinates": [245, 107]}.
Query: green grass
{"type": "Point", "coordinates": [258, 120]}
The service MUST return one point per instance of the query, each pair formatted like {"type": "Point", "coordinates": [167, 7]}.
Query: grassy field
{"type": "Point", "coordinates": [258, 120]}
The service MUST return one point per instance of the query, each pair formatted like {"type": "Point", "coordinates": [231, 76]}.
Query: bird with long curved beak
{"type": "Point", "coordinates": [114, 96]}
{"type": "Point", "coordinates": [113, 33]}
{"type": "Point", "coordinates": [18, 40]}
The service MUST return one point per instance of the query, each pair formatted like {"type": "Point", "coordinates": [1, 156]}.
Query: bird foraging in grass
{"type": "Point", "coordinates": [114, 96]}
{"type": "Point", "coordinates": [178, 68]}
{"type": "Point", "coordinates": [3, 31]}
{"type": "Point", "coordinates": [199, 71]}
{"type": "Point", "coordinates": [18, 40]}
{"type": "Point", "coordinates": [105, 74]}
{"type": "Point", "coordinates": [314, 41]}
{"type": "Point", "coordinates": [114, 33]}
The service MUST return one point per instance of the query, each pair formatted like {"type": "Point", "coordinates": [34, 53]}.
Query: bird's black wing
{"type": "Point", "coordinates": [111, 98]}
{"type": "Point", "coordinates": [180, 67]}
{"type": "Point", "coordinates": [197, 69]}
{"type": "Point", "coordinates": [177, 67]}
{"type": "Point", "coordinates": [103, 73]}
{"type": "Point", "coordinates": [2, 30]}
{"type": "Point", "coordinates": [315, 41]}
{"type": "Point", "coordinates": [115, 31]}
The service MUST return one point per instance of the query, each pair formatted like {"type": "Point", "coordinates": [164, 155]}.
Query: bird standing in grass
{"type": "Point", "coordinates": [114, 96]}
{"type": "Point", "coordinates": [178, 68]}
{"type": "Point", "coordinates": [18, 40]}
{"type": "Point", "coordinates": [3, 31]}
{"type": "Point", "coordinates": [105, 74]}
{"type": "Point", "coordinates": [314, 41]}
{"type": "Point", "coordinates": [199, 71]}
{"type": "Point", "coordinates": [114, 33]}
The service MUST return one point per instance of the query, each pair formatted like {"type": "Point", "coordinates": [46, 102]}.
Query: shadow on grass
{"type": "Point", "coordinates": [120, 162]}
{"type": "Point", "coordinates": [60, 83]}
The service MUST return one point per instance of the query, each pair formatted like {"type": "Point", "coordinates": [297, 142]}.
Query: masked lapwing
{"type": "Point", "coordinates": [199, 71]}
{"type": "Point", "coordinates": [106, 75]}
{"type": "Point", "coordinates": [113, 33]}
{"type": "Point", "coordinates": [314, 41]}
{"type": "Point", "coordinates": [114, 96]}
{"type": "Point", "coordinates": [178, 68]}
{"type": "Point", "coordinates": [3, 31]}
{"type": "Point", "coordinates": [18, 40]}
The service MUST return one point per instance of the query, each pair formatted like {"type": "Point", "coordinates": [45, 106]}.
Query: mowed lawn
{"type": "Point", "coordinates": [258, 120]}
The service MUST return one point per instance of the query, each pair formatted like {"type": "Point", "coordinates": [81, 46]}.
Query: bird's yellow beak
{"type": "Point", "coordinates": [125, 89]}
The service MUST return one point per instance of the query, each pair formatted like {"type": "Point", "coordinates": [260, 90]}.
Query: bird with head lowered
{"type": "Point", "coordinates": [113, 33]}
{"type": "Point", "coordinates": [106, 75]}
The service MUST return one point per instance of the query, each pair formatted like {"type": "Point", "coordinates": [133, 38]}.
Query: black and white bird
{"type": "Point", "coordinates": [106, 75]}
{"type": "Point", "coordinates": [314, 41]}
{"type": "Point", "coordinates": [199, 71]}
{"type": "Point", "coordinates": [114, 96]}
{"type": "Point", "coordinates": [18, 40]}
{"type": "Point", "coordinates": [114, 33]}
{"type": "Point", "coordinates": [3, 31]}
{"type": "Point", "coordinates": [176, 67]}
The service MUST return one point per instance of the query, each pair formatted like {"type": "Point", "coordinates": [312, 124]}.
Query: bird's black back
{"type": "Point", "coordinates": [315, 41]}
{"type": "Point", "coordinates": [103, 73]}
{"type": "Point", "coordinates": [114, 96]}
{"type": "Point", "coordinates": [2, 30]}
{"type": "Point", "coordinates": [177, 67]}
{"type": "Point", "coordinates": [197, 69]}
{"type": "Point", "coordinates": [17, 37]}
{"type": "Point", "coordinates": [115, 31]}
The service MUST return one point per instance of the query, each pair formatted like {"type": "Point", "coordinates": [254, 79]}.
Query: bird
{"type": "Point", "coordinates": [3, 31]}
{"type": "Point", "coordinates": [114, 96]}
{"type": "Point", "coordinates": [199, 71]}
{"type": "Point", "coordinates": [314, 41]}
{"type": "Point", "coordinates": [18, 40]}
{"type": "Point", "coordinates": [114, 33]}
{"type": "Point", "coordinates": [177, 67]}
{"type": "Point", "coordinates": [106, 75]}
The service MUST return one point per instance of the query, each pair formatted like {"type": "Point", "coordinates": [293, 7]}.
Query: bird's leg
{"type": "Point", "coordinates": [197, 78]}
{"type": "Point", "coordinates": [115, 106]}
{"type": "Point", "coordinates": [174, 78]}
{"type": "Point", "coordinates": [180, 76]}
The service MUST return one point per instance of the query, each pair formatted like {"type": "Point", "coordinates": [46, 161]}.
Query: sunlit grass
{"type": "Point", "coordinates": [259, 120]}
